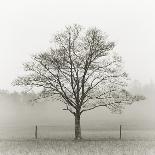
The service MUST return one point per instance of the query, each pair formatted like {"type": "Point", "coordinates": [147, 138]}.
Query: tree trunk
{"type": "Point", "coordinates": [77, 126]}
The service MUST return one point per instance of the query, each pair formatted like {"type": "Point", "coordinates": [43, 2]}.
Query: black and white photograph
{"type": "Point", "coordinates": [77, 77]}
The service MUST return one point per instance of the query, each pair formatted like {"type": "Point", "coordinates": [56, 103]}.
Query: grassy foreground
{"type": "Point", "coordinates": [69, 147]}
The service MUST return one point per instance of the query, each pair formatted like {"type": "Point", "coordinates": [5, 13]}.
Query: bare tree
{"type": "Point", "coordinates": [82, 71]}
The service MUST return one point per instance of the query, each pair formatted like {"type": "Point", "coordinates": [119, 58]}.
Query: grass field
{"type": "Point", "coordinates": [69, 147]}
{"type": "Point", "coordinates": [54, 141]}
{"type": "Point", "coordinates": [68, 133]}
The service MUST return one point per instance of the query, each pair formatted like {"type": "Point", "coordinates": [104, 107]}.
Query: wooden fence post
{"type": "Point", "coordinates": [36, 132]}
{"type": "Point", "coordinates": [120, 134]}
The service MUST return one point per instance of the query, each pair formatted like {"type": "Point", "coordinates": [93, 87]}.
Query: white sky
{"type": "Point", "coordinates": [26, 27]}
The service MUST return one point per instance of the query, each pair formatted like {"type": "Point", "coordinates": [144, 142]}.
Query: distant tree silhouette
{"type": "Point", "coordinates": [16, 97]}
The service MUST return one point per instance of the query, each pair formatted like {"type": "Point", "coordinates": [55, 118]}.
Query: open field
{"type": "Point", "coordinates": [66, 133]}
{"type": "Point", "coordinates": [59, 141]}
{"type": "Point", "coordinates": [69, 147]}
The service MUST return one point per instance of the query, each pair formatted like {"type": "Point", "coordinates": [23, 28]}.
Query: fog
{"type": "Point", "coordinates": [27, 27]}
{"type": "Point", "coordinates": [19, 110]}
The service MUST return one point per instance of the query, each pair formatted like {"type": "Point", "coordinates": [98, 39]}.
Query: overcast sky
{"type": "Point", "coordinates": [26, 27]}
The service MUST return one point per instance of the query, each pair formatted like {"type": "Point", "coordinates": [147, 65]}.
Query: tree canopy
{"type": "Point", "coordinates": [82, 69]}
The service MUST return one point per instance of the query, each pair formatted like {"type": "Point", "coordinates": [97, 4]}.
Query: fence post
{"type": "Point", "coordinates": [36, 132]}
{"type": "Point", "coordinates": [120, 134]}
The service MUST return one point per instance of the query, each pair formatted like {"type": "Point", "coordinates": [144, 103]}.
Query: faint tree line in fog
{"type": "Point", "coordinates": [16, 97]}
{"type": "Point", "coordinates": [20, 97]}
{"type": "Point", "coordinates": [146, 89]}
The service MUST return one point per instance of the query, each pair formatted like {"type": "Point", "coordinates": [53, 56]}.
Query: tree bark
{"type": "Point", "coordinates": [77, 126]}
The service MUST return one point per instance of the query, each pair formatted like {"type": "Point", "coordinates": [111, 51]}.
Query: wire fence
{"type": "Point", "coordinates": [60, 132]}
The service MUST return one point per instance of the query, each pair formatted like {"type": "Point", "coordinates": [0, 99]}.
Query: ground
{"type": "Point", "coordinates": [59, 141]}
{"type": "Point", "coordinates": [70, 147]}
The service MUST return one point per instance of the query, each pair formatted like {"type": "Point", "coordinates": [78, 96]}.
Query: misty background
{"type": "Point", "coordinates": [27, 27]}
{"type": "Point", "coordinates": [20, 109]}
